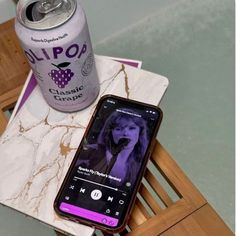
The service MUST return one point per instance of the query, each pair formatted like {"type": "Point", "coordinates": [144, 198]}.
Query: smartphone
{"type": "Point", "coordinates": [102, 182]}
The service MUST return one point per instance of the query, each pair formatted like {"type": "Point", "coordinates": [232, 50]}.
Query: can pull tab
{"type": "Point", "coordinates": [46, 6]}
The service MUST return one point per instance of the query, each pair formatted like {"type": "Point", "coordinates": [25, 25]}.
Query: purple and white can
{"type": "Point", "coordinates": [55, 38]}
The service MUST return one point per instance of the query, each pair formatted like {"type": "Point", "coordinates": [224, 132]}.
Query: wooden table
{"type": "Point", "coordinates": [13, 69]}
{"type": "Point", "coordinates": [190, 214]}
{"type": "Point", "coordinates": [155, 211]}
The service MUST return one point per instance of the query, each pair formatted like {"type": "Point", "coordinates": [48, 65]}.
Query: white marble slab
{"type": "Point", "coordinates": [39, 144]}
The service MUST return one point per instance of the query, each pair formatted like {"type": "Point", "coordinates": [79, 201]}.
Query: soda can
{"type": "Point", "coordinates": [55, 38]}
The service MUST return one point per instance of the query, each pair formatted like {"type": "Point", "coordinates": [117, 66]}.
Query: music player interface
{"type": "Point", "coordinates": [108, 163]}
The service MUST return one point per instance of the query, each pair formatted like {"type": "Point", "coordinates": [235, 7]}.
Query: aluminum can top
{"type": "Point", "coordinates": [44, 14]}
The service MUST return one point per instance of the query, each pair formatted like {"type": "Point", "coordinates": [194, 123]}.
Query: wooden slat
{"type": "Point", "coordinates": [8, 99]}
{"type": "Point", "coordinates": [3, 122]}
{"type": "Point", "coordinates": [191, 198]}
{"type": "Point", "coordinates": [203, 222]}
{"type": "Point", "coordinates": [137, 217]}
{"type": "Point", "coordinates": [191, 205]}
{"type": "Point", "coordinates": [132, 224]}
{"type": "Point", "coordinates": [162, 194]}
{"type": "Point", "coordinates": [149, 199]}
{"type": "Point", "coordinates": [176, 177]}
{"type": "Point", "coordinates": [14, 67]}
{"type": "Point", "coordinates": [164, 220]}
{"type": "Point", "coordinates": [142, 208]}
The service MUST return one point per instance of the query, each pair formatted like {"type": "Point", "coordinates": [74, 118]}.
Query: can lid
{"type": "Point", "coordinates": [44, 14]}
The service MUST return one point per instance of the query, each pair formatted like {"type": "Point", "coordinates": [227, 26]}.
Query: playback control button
{"type": "Point", "coordinates": [96, 194]}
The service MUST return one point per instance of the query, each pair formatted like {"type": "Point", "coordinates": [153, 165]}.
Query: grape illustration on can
{"type": "Point", "coordinates": [61, 77]}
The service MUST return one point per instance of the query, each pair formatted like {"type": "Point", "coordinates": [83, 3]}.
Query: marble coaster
{"type": "Point", "coordinates": [39, 144]}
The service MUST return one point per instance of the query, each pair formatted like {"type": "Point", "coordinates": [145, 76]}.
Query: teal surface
{"type": "Point", "coordinates": [191, 43]}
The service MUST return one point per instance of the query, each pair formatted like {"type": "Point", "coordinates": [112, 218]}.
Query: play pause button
{"type": "Point", "coordinates": [96, 194]}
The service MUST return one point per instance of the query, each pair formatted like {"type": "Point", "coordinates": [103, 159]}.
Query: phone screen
{"type": "Point", "coordinates": [109, 162]}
